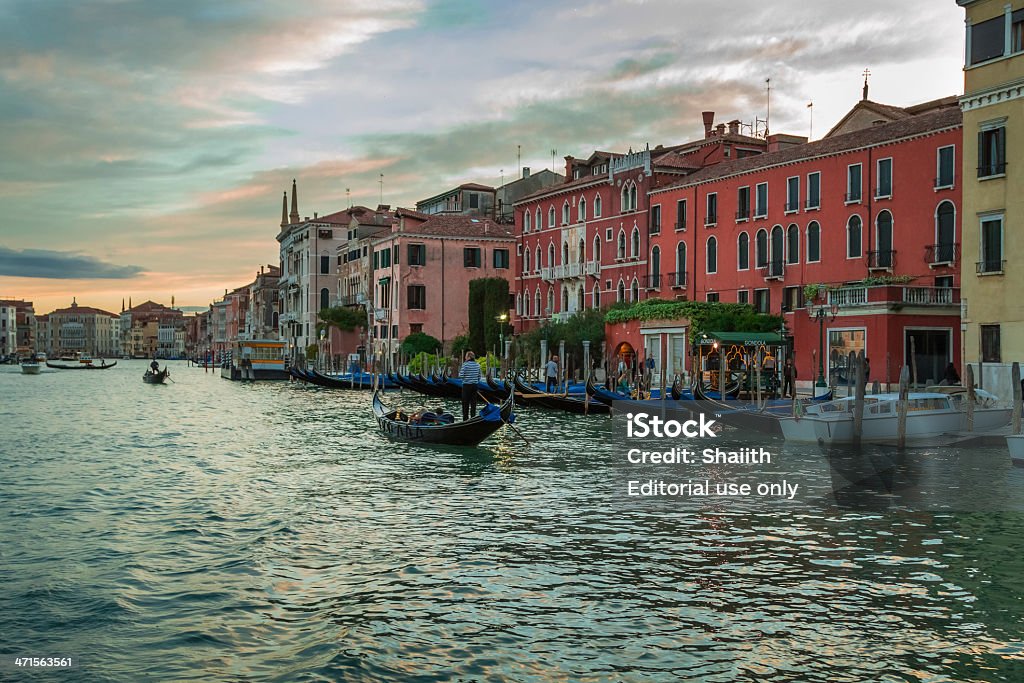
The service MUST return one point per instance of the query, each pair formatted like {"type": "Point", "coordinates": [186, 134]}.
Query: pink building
{"type": "Point", "coordinates": [420, 274]}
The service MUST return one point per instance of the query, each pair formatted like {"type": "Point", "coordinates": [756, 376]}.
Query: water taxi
{"type": "Point", "coordinates": [256, 359]}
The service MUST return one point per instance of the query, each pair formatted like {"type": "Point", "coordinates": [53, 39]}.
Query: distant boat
{"type": "Point", "coordinates": [155, 377]}
{"type": "Point", "coordinates": [80, 366]}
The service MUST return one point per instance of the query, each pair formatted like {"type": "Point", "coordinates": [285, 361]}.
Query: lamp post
{"type": "Point", "coordinates": [819, 313]}
{"type": "Point", "coordinates": [501, 318]}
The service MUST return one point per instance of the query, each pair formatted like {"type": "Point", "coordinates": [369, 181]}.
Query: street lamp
{"type": "Point", "coordinates": [819, 313]}
{"type": "Point", "coordinates": [501, 318]}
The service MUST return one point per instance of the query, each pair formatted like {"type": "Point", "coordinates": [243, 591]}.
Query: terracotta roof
{"type": "Point", "coordinates": [475, 186]}
{"type": "Point", "coordinates": [906, 127]}
{"type": "Point", "coordinates": [452, 225]}
{"type": "Point", "coordinates": [82, 310]}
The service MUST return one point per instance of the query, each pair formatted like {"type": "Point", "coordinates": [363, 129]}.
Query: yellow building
{"type": "Point", "coordinates": [993, 193]}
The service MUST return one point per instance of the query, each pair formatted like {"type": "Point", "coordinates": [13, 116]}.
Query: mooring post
{"type": "Point", "coordinates": [969, 375]}
{"type": "Point", "coordinates": [901, 408]}
{"type": "Point", "coordinates": [1017, 391]}
{"type": "Point", "coordinates": [851, 360]}
{"type": "Point", "coordinates": [858, 402]}
{"type": "Point", "coordinates": [888, 371]}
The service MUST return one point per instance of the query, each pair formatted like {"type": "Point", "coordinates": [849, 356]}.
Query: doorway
{"type": "Point", "coordinates": [932, 351]}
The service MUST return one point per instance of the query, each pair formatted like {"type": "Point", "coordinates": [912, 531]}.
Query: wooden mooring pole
{"type": "Point", "coordinates": [858, 402]}
{"type": "Point", "coordinates": [1017, 391]}
{"type": "Point", "coordinates": [901, 408]}
{"type": "Point", "coordinates": [969, 375]}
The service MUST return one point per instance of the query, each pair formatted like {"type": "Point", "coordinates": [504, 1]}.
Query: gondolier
{"type": "Point", "coordinates": [469, 373]}
{"type": "Point", "coordinates": [551, 374]}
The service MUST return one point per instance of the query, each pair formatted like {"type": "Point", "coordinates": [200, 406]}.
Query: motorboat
{"type": "Point", "coordinates": [1015, 442]}
{"type": "Point", "coordinates": [31, 366]}
{"type": "Point", "coordinates": [929, 415]}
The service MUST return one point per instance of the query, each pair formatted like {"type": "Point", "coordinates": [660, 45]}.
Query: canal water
{"type": "Point", "coordinates": [206, 530]}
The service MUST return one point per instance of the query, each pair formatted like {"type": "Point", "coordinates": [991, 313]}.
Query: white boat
{"type": "Point", "coordinates": [929, 415]}
{"type": "Point", "coordinates": [1015, 442]}
{"type": "Point", "coordinates": [30, 367]}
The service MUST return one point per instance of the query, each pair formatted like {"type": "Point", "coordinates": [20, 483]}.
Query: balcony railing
{"type": "Point", "coordinates": [561, 317]}
{"type": "Point", "coordinates": [743, 214]}
{"type": "Point", "coordinates": [680, 226]}
{"type": "Point", "coordinates": [546, 273]}
{"type": "Point", "coordinates": [711, 219]}
{"type": "Point", "coordinates": [943, 183]}
{"type": "Point", "coordinates": [655, 229]}
{"type": "Point", "coordinates": [987, 170]}
{"type": "Point", "coordinates": [677, 279]}
{"type": "Point", "coordinates": [791, 205]}
{"type": "Point", "coordinates": [848, 296]}
{"type": "Point", "coordinates": [566, 270]}
{"type": "Point", "coordinates": [592, 268]}
{"type": "Point", "coordinates": [881, 259]}
{"type": "Point", "coordinates": [775, 270]}
{"type": "Point", "coordinates": [991, 266]}
{"type": "Point", "coordinates": [652, 281]}
{"type": "Point", "coordinates": [941, 254]}
{"type": "Point", "coordinates": [851, 197]}
{"type": "Point", "coordinates": [928, 295]}
{"type": "Point", "coordinates": [813, 204]}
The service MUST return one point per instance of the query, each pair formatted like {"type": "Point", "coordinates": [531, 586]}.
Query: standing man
{"type": "Point", "coordinates": [551, 374]}
{"type": "Point", "coordinates": [789, 379]}
{"type": "Point", "coordinates": [469, 373]}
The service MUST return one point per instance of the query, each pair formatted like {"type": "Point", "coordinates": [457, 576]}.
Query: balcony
{"type": "Point", "coordinates": [677, 279]}
{"type": "Point", "coordinates": [894, 295]}
{"type": "Point", "coordinates": [881, 259]}
{"type": "Point", "coordinates": [742, 215]}
{"type": "Point", "coordinates": [592, 268]}
{"type": "Point", "coordinates": [546, 274]}
{"type": "Point", "coordinates": [565, 270]}
{"type": "Point", "coordinates": [561, 317]}
{"type": "Point", "coordinates": [991, 266]}
{"type": "Point", "coordinates": [941, 254]}
{"type": "Point", "coordinates": [775, 270]}
{"type": "Point", "coordinates": [652, 281]}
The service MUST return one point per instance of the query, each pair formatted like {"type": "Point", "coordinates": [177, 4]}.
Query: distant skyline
{"type": "Point", "coordinates": [144, 147]}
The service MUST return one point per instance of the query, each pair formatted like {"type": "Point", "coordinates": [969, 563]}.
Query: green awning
{"type": "Point", "coordinates": [741, 338]}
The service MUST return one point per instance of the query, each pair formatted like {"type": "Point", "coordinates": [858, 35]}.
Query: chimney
{"type": "Point", "coordinates": [720, 129]}
{"type": "Point", "coordinates": [568, 168]}
{"type": "Point", "coordinates": [734, 127]}
{"type": "Point", "coordinates": [314, 215]}
{"type": "Point", "coordinates": [526, 171]}
{"type": "Point", "coordinates": [709, 119]}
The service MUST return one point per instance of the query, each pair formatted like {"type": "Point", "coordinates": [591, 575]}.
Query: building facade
{"type": "Point", "coordinates": [993, 211]}
{"type": "Point", "coordinates": [468, 199]}
{"type": "Point", "coordinates": [8, 329]}
{"type": "Point", "coordinates": [83, 329]}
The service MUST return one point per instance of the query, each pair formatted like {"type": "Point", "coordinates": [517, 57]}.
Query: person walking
{"type": "Point", "coordinates": [469, 373]}
{"type": "Point", "coordinates": [789, 379]}
{"type": "Point", "coordinates": [551, 374]}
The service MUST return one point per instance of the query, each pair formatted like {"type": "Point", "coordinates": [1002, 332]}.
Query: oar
{"type": "Point", "coordinates": [508, 424]}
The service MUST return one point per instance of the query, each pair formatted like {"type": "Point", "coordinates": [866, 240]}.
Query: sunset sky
{"type": "Point", "coordinates": [144, 146]}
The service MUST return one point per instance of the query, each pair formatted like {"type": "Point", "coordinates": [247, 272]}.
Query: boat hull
{"type": "Point", "coordinates": [466, 433]}
{"type": "Point", "coordinates": [921, 425]}
{"type": "Point", "coordinates": [31, 368]}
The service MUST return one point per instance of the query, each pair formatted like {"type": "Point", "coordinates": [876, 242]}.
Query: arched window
{"type": "Point", "coordinates": [551, 301]}
{"type": "Point", "coordinates": [778, 247]}
{"type": "Point", "coordinates": [743, 252]}
{"type": "Point", "coordinates": [581, 210]}
{"type": "Point", "coordinates": [519, 304]}
{"type": "Point", "coordinates": [565, 299]}
{"type": "Point", "coordinates": [536, 302]}
{"type": "Point", "coordinates": [526, 261]}
{"type": "Point", "coordinates": [537, 222]}
{"type": "Point", "coordinates": [655, 267]}
{"type": "Point", "coordinates": [712, 253]}
{"type": "Point", "coordinates": [761, 249]}
{"type": "Point", "coordinates": [792, 244]}
{"type": "Point", "coordinates": [621, 291]}
{"type": "Point", "coordinates": [680, 279]}
{"type": "Point", "coordinates": [622, 244]}
{"type": "Point", "coordinates": [526, 221]}
{"type": "Point", "coordinates": [853, 243]}
{"type": "Point", "coordinates": [634, 291]}
{"type": "Point", "coordinates": [551, 216]}
{"type": "Point", "coordinates": [883, 240]}
{"type": "Point", "coordinates": [565, 252]}
{"type": "Point", "coordinates": [597, 206]}
{"type": "Point", "coordinates": [551, 255]}
{"type": "Point", "coordinates": [813, 242]}
{"type": "Point", "coordinates": [526, 305]}
{"type": "Point", "coordinates": [537, 262]}
{"type": "Point", "coordinates": [597, 296]}
{"type": "Point", "coordinates": [634, 247]}
{"type": "Point", "coordinates": [565, 212]}
{"type": "Point", "coordinates": [945, 233]}
{"type": "Point", "coordinates": [597, 248]}
{"type": "Point", "coordinates": [581, 254]}
{"type": "Point", "coordinates": [325, 298]}
{"type": "Point", "coordinates": [580, 303]}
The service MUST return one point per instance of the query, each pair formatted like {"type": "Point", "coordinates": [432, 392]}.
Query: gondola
{"type": "Point", "coordinates": [466, 433]}
{"type": "Point", "coordinates": [155, 377]}
{"type": "Point", "coordinates": [582, 406]}
{"type": "Point", "coordinates": [80, 366]}
{"type": "Point", "coordinates": [609, 397]}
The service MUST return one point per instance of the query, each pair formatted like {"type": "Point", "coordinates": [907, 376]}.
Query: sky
{"type": "Point", "coordinates": [145, 146]}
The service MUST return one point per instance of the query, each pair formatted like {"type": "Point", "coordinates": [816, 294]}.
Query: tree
{"type": "Point", "coordinates": [419, 342]}
{"type": "Point", "coordinates": [488, 298]}
{"type": "Point", "coordinates": [345, 318]}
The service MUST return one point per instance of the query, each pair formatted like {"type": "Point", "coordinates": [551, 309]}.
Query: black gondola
{"type": "Point", "coordinates": [582, 406]}
{"type": "Point", "coordinates": [466, 433]}
{"type": "Point", "coordinates": [80, 366]}
{"type": "Point", "coordinates": [155, 377]}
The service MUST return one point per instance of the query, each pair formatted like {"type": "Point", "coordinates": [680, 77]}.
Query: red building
{"type": "Point", "coordinates": [585, 242]}
{"type": "Point", "coordinates": [869, 212]}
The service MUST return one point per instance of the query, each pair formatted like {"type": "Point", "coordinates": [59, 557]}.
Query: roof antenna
{"type": "Point", "coordinates": [381, 181]}
{"type": "Point", "coordinates": [768, 115]}
{"type": "Point", "coordinates": [810, 129]}
{"type": "Point", "coordinates": [867, 72]}
{"type": "Point", "coordinates": [553, 153]}
{"type": "Point", "coordinates": [348, 196]}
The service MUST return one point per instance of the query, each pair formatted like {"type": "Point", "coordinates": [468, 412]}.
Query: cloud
{"type": "Point", "coordinates": [60, 265]}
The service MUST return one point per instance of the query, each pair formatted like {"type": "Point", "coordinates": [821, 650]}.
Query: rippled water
{"type": "Point", "coordinates": [216, 531]}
